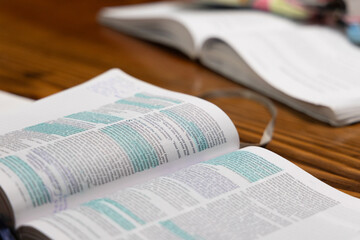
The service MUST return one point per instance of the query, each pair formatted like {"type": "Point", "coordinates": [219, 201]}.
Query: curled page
{"type": "Point", "coordinates": [70, 152]}
{"type": "Point", "coordinates": [243, 93]}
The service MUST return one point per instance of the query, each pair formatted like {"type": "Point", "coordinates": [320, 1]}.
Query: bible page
{"type": "Point", "coordinates": [83, 142]}
{"type": "Point", "coordinates": [247, 194]}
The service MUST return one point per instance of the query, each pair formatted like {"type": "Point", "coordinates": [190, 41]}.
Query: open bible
{"type": "Point", "coordinates": [117, 158]}
{"type": "Point", "coordinates": [311, 68]}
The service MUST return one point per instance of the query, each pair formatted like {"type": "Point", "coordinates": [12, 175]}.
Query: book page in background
{"type": "Point", "coordinates": [201, 21]}
{"type": "Point", "coordinates": [205, 22]}
{"type": "Point", "coordinates": [311, 63]}
{"type": "Point", "coordinates": [247, 194]}
{"type": "Point", "coordinates": [101, 132]}
{"type": "Point", "coordinates": [314, 64]}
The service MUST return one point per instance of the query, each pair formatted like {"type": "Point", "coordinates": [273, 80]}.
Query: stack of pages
{"type": "Point", "coordinates": [313, 69]}
{"type": "Point", "coordinates": [117, 158]}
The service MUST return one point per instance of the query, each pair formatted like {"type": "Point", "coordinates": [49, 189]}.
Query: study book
{"type": "Point", "coordinates": [118, 158]}
{"type": "Point", "coordinates": [311, 68]}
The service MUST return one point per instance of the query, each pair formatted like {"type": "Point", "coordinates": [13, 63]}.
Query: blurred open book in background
{"type": "Point", "coordinates": [311, 68]}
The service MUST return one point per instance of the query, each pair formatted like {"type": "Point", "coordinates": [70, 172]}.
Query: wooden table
{"type": "Point", "coordinates": [48, 46]}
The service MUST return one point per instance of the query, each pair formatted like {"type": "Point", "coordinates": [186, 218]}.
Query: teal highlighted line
{"type": "Point", "coordinates": [55, 128]}
{"type": "Point", "coordinates": [38, 193]}
{"type": "Point", "coordinates": [142, 95]}
{"type": "Point", "coordinates": [247, 164]}
{"type": "Point", "coordinates": [140, 104]}
{"type": "Point", "coordinates": [175, 229]}
{"type": "Point", "coordinates": [141, 154]}
{"type": "Point", "coordinates": [192, 129]}
{"type": "Point", "coordinates": [123, 209]}
{"type": "Point", "coordinates": [110, 213]}
{"type": "Point", "coordinates": [95, 117]}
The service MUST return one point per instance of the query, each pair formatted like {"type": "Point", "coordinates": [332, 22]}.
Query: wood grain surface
{"type": "Point", "coordinates": [48, 46]}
